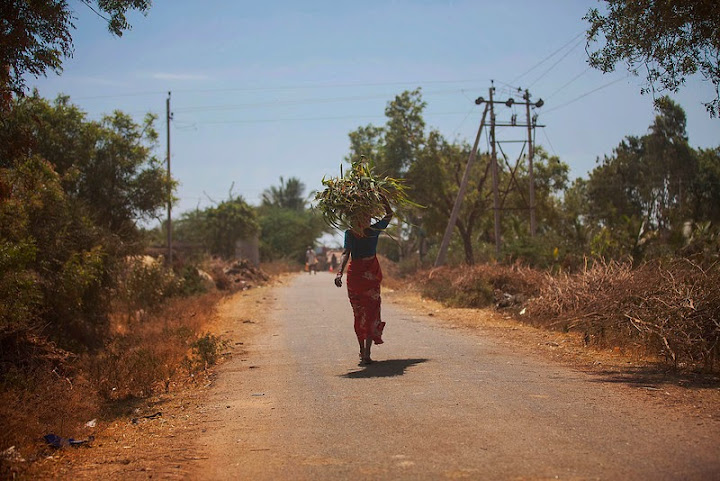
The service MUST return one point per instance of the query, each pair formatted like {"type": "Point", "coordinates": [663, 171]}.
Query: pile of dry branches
{"type": "Point", "coordinates": [481, 285]}
{"type": "Point", "coordinates": [671, 309]}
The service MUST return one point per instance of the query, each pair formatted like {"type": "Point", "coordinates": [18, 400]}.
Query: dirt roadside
{"type": "Point", "coordinates": [164, 446]}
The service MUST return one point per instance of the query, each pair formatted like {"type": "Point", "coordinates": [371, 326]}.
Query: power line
{"type": "Point", "coordinates": [586, 94]}
{"type": "Point", "coordinates": [569, 82]}
{"type": "Point", "coordinates": [286, 87]}
{"type": "Point", "coordinates": [308, 119]}
{"type": "Point", "coordinates": [553, 65]}
{"type": "Point", "coordinates": [546, 58]}
{"type": "Point", "coordinates": [298, 102]}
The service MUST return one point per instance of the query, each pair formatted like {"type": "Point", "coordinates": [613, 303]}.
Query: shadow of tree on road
{"type": "Point", "coordinates": [654, 377]}
{"type": "Point", "coordinates": [389, 368]}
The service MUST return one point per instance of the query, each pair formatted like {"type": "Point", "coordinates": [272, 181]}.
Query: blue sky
{"type": "Point", "coordinates": [263, 90]}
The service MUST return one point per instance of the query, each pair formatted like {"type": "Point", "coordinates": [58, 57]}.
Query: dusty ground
{"type": "Point", "coordinates": [184, 440]}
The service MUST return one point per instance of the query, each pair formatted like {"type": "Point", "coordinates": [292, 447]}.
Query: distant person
{"type": "Point", "coordinates": [363, 281]}
{"type": "Point", "coordinates": [333, 262]}
{"type": "Point", "coordinates": [311, 260]}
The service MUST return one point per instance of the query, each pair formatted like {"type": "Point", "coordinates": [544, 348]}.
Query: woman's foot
{"type": "Point", "coordinates": [365, 361]}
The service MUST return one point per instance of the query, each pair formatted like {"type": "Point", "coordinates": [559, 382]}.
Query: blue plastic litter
{"type": "Point", "coordinates": [58, 442]}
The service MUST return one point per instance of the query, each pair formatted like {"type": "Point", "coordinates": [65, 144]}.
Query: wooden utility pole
{"type": "Point", "coordinates": [531, 152]}
{"type": "Point", "coordinates": [442, 254]}
{"type": "Point", "coordinates": [168, 117]}
{"type": "Point", "coordinates": [493, 160]}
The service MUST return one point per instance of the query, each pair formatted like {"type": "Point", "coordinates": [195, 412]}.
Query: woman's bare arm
{"type": "Point", "coordinates": [341, 269]}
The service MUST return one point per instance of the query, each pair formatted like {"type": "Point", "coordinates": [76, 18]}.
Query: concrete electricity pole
{"type": "Point", "coordinates": [531, 153]}
{"type": "Point", "coordinates": [497, 207]}
{"type": "Point", "coordinates": [495, 175]}
{"type": "Point", "coordinates": [168, 117]}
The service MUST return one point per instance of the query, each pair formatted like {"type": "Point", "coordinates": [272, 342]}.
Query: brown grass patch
{"type": "Point", "coordinates": [46, 390]}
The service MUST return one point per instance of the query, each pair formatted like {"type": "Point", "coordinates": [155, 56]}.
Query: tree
{"type": "Point", "coordinates": [35, 35]}
{"type": "Point", "coordinates": [289, 195]}
{"type": "Point", "coordinates": [652, 185]}
{"type": "Point", "coordinates": [671, 40]}
{"type": "Point", "coordinates": [107, 165]}
{"type": "Point", "coordinates": [286, 226]}
{"type": "Point", "coordinates": [70, 193]}
{"type": "Point", "coordinates": [218, 228]}
{"type": "Point", "coordinates": [435, 181]}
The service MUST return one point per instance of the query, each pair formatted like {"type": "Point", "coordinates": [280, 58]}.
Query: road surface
{"type": "Point", "coordinates": [439, 403]}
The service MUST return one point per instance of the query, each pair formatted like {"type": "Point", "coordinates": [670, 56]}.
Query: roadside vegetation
{"type": "Point", "coordinates": [629, 256]}
{"type": "Point", "coordinates": [93, 317]}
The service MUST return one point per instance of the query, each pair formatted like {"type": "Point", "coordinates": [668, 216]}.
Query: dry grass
{"type": "Point", "coordinates": [48, 390]}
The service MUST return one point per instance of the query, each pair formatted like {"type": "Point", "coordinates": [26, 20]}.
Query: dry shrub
{"type": "Point", "coordinates": [146, 354]}
{"type": "Point", "coordinates": [478, 286]}
{"type": "Point", "coordinates": [671, 309]}
{"type": "Point", "coordinates": [46, 390]}
{"type": "Point", "coordinates": [42, 391]}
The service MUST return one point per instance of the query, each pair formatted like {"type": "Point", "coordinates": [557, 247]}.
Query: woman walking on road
{"type": "Point", "coordinates": [363, 280]}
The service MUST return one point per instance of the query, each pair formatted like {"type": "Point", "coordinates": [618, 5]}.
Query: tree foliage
{"type": "Point", "coordinates": [218, 228]}
{"type": "Point", "coordinates": [650, 187]}
{"type": "Point", "coordinates": [70, 193]}
{"type": "Point", "coordinates": [287, 226]}
{"type": "Point", "coordinates": [288, 195]}
{"type": "Point", "coordinates": [670, 40]}
{"type": "Point", "coordinates": [35, 35]}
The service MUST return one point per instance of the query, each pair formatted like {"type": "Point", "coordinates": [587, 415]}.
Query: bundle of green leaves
{"type": "Point", "coordinates": [349, 200]}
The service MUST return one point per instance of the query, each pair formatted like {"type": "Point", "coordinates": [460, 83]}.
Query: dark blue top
{"type": "Point", "coordinates": [360, 247]}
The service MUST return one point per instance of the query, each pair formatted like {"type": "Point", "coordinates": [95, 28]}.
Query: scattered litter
{"type": "Point", "coordinates": [58, 442]}
{"type": "Point", "coordinates": [11, 454]}
{"type": "Point", "coordinates": [248, 321]}
{"type": "Point", "coordinates": [523, 311]}
{"type": "Point", "coordinates": [149, 416]}
{"type": "Point", "coordinates": [91, 424]}
{"type": "Point", "coordinates": [258, 394]}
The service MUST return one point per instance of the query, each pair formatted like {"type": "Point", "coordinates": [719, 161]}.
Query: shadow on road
{"type": "Point", "coordinates": [389, 368]}
{"type": "Point", "coordinates": [654, 377]}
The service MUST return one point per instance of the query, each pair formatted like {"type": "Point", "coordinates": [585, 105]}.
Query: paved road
{"type": "Point", "coordinates": [439, 404]}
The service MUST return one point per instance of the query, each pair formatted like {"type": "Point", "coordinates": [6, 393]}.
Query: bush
{"type": "Point", "coordinates": [670, 309]}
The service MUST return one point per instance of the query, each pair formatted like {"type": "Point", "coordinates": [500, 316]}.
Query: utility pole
{"type": "Point", "coordinates": [442, 254]}
{"type": "Point", "coordinates": [493, 159]}
{"type": "Point", "coordinates": [531, 124]}
{"type": "Point", "coordinates": [531, 153]}
{"type": "Point", "coordinates": [168, 117]}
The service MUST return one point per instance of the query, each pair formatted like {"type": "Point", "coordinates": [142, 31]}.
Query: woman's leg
{"type": "Point", "coordinates": [366, 354]}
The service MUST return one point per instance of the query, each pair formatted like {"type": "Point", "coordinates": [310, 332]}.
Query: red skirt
{"type": "Point", "coordinates": [363, 284]}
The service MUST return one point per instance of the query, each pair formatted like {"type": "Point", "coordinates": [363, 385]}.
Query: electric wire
{"type": "Point", "coordinates": [586, 94]}
{"type": "Point", "coordinates": [555, 64]}
{"type": "Point", "coordinates": [547, 58]}
{"type": "Point", "coordinates": [569, 82]}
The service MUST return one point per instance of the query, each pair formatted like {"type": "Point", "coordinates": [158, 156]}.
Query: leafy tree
{"type": "Point", "coordinates": [706, 195]}
{"type": "Point", "coordinates": [289, 195]}
{"type": "Point", "coordinates": [652, 185]}
{"type": "Point", "coordinates": [218, 228]}
{"type": "Point", "coordinates": [107, 165]}
{"type": "Point", "coordinates": [647, 178]}
{"type": "Point", "coordinates": [286, 233]}
{"type": "Point", "coordinates": [286, 226]}
{"type": "Point", "coordinates": [35, 35]}
{"type": "Point", "coordinates": [669, 39]}
{"type": "Point", "coordinates": [435, 181]}
{"type": "Point", "coordinates": [71, 191]}
{"type": "Point", "coordinates": [394, 149]}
